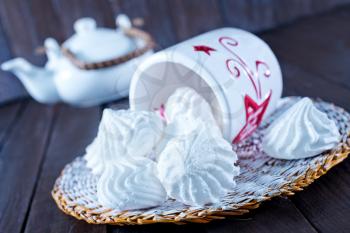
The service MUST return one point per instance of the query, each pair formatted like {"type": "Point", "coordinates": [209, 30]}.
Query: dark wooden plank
{"type": "Point", "coordinates": [297, 81]}
{"type": "Point", "coordinates": [8, 116]}
{"type": "Point", "coordinates": [69, 11]}
{"type": "Point", "coordinates": [317, 6]}
{"type": "Point", "coordinates": [258, 15]}
{"type": "Point", "coordinates": [278, 215]}
{"type": "Point", "coordinates": [45, 28]}
{"type": "Point", "coordinates": [24, 151]}
{"type": "Point", "coordinates": [326, 202]}
{"type": "Point", "coordinates": [74, 129]}
{"type": "Point", "coordinates": [20, 162]}
{"type": "Point", "coordinates": [194, 17]}
{"type": "Point", "coordinates": [160, 228]}
{"type": "Point", "coordinates": [320, 45]}
{"type": "Point", "coordinates": [16, 39]}
{"type": "Point", "coordinates": [19, 27]}
{"type": "Point", "coordinates": [250, 15]}
{"type": "Point", "coordinates": [155, 15]}
{"type": "Point", "coordinates": [19, 37]}
{"type": "Point", "coordinates": [10, 87]}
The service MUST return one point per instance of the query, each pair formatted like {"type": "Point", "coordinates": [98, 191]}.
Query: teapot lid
{"type": "Point", "coordinates": [94, 44]}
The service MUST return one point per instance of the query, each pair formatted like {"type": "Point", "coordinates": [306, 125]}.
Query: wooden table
{"type": "Point", "coordinates": [36, 141]}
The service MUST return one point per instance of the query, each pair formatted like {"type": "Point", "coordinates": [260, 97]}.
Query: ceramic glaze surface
{"type": "Point", "coordinates": [234, 70]}
{"type": "Point", "coordinates": [111, 42]}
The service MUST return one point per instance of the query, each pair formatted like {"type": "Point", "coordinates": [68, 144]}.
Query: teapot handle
{"type": "Point", "coordinates": [52, 49]}
{"type": "Point", "coordinates": [135, 33]}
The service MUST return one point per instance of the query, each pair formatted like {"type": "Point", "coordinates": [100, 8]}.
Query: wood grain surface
{"type": "Point", "coordinates": [36, 141]}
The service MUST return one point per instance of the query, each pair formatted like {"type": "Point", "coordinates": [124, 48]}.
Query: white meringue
{"type": "Point", "coordinates": [199, 168]}
{"type": "Point", "coordinates": [187, 103]}
{"type": "Point", "coordinates": [122, 134]}
{"type": "Point", "coordinates": [130, 184]}
{"type": "Point", "coordinates": [185, 109]}
{"type": "Point", "coordinates": [300, 132]}
{"type": "Point", "coordinates": [182, 127]}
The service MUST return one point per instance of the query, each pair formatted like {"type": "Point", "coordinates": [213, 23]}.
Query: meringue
{"type": "Point", "coordinates": [185, 109]}
{"type": "Point", "coordinates": [199, 168]}
{"type": "Point", "coordinates": [187, 103]}
{"type": "Point", "coordinates": [121, 134]}
{"type": "Point", "coordinates": [182, 127]}
{"type": "Point", "coordinates": [300, 132]}
{"type": "Point", "coordinates": [130, 184]}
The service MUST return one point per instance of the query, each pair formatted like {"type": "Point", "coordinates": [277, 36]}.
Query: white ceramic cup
{"type": "Point", "coordinates": [235, 71]}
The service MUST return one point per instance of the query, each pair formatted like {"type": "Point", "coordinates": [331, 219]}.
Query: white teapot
{"type": "Point", "coordinates": [94, 66]}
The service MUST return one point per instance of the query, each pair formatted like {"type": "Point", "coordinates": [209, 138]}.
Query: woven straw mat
{"type": "Point", "coordinates": [261, 179]}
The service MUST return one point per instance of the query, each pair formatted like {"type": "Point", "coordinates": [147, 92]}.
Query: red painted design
{"type": "Point", "coordinates": [236, 64]}
{"type": "Point", "coordinates": [254, 115]}
{"type": "Point", "coordinates": [238, 67]}
{"type": "Point", "coordinates": [235, 70]}
{"type": "Point", "coordinates": [161, 111]}
{"type": "Point", "coordinates": [203, 48]}
{"type": "Point", "coordinates": [266, 73]}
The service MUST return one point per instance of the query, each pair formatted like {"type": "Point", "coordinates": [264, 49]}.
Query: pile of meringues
{"type": "Point", "coordinates": [142, 159]}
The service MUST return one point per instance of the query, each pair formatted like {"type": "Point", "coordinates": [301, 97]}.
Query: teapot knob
{"type": "Point", "coordinates": [123, 21]}
{"type": "Point", "coordinates": [84, 25]}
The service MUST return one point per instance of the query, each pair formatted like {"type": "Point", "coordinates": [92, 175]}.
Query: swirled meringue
{"type": "Point", "coordinates": [199, 168]}
{"type": "Point", "coordinates": [187, 103]}
{"type": "Point", "coordinates": [185, 109]}
{"type": "Point", "coordinates": [300, 132]}
{"type": "Point", "coordinates": [121, 134]}
{"type": "Point", "coordinates": [183, 127]}
{"type": "Point", "coordinates": [130, 184]}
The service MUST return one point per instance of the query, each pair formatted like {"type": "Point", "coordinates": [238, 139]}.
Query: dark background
{"type": "Point", "coordinates": [25, 24]}
{"type": "Point", "coordinates": [311, 39]}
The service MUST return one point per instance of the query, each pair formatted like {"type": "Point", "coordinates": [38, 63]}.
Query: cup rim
{"type": "Point", "coordinates": [183, 60]}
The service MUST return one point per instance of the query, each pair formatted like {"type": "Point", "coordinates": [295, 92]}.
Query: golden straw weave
{"type": "Point", "coordinates": [261, 179]}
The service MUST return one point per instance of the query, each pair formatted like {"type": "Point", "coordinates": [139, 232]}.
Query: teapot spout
{"type": "Point", "coordinates": [39, 82]}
